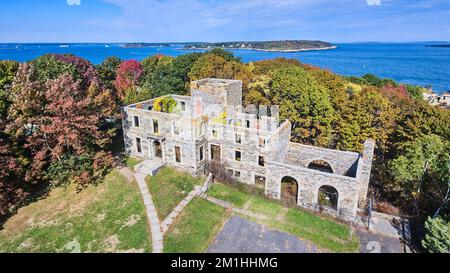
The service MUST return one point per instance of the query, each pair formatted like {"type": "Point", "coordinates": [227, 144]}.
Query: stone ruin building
{"type": "Point", "coordinates": [255, 148]}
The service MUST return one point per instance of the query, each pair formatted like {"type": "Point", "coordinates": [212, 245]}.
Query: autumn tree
{"type": "Point", "coordinates": [28, 101]}
{"type": "Point", "coordinates": [259, 91]}
{"type": "Point", "coordinates": [57, 118]}
{"type": "Point", "coordinates": [160, 77]}
{"type": "Point", "coordinates": [265, 67]}
{"type": "Point", "coordinates": [182, 65]}
{"type": "Point", "coordinates": [215, 66]}
{"type": "Point", "coordinates": [422, 174]}
{"type": "Point", "coordinates": [8, 70]}
{"type": "Point", "coordinates": [368, 115]}
{"type": "Point", "coordinates": [305, 103]}
{"type": "Point", "coordinates": [416, 119]}
{"type": "Point", "coordinates": [107, 71]}
{"type": "Point", "coordinates": [83, 67]}
{"type": "Point", "coordinates": [208, 66]}
{"type": "Point", "coordinates": [128, 76]}
{"type": "Point", "coordinates": [11, 188]}
{"type": "Point", "coordinates": [48, 67]}
{"type": "Point", "coordinates": [69, 123]}
{"type": "Point", "coordinates": [227, 55]}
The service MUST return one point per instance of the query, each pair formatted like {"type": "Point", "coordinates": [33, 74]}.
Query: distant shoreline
{"type": "Point", "coordinates": [266, 50]}
{"type": "Point", "coordinates": [443, 46]}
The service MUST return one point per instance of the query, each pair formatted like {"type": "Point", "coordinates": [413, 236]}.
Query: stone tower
{"type": "Point", "coordinates": [225, 92]}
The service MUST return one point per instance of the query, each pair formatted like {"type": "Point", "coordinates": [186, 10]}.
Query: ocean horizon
{"type": "Point", "coordinates": [410, 63]}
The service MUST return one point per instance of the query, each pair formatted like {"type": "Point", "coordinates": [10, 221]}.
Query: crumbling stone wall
{"type": "Point", "coordinates": [342, 163]}
{"type": "Point", "coordinates": [309, 181]}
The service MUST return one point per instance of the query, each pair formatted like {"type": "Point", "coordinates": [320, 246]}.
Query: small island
{"type": "Point", "coordinates": [144, 45]}
{"type": "Point", "coordinates": [269, 46]}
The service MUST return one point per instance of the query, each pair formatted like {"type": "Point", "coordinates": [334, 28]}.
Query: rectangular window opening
{"type": "Point", "coordinates": [177, 154]}
{"type": "Point", "coordinates": [136, 121]}
{"type": "Point", "coordinates": [155, 126]}
{"type": "Point", "coordinates": [201, 153]}
{"type": "Point", "coordinates": [237, 155]}
{"type": "Point", "coordinates": [138, 145]}
{"type": "Point", "coordinates": [238, 139]}
{"type": "Point", "coordinates": [261, 161]}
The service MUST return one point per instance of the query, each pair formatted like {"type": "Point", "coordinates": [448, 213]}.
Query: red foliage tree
{"type": "Point", "coordinates": [399, 91]}
{"type": "Point", "coordinates": [86, 69]}
{"type": "Point", "coordinates": [10, 190]}
{"type": "Point", "coordinates": [128, 75]}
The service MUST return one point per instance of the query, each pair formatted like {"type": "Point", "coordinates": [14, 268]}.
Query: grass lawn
{"type": "Point", "coordinates": [130, 162]}
{"type": "Point", "coordinates": [109, 217]}
{"type": "Point", "coordinates": [168, 188]}
{"type": "Point", "coordinates": [323, 232]}
{"type": "Point", "coordinates": [195, 228]}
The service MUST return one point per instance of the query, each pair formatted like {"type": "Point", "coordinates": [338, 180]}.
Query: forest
{"type": "Point", "coordinates": [287, 45]}
{"type": "Point", "coordinates": [60, 122]}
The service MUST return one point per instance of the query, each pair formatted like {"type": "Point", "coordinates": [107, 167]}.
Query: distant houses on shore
{"type": "Point", "coordinates": [442, 100]}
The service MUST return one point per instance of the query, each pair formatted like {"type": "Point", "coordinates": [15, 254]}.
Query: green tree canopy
{"type": "Point", "coordinates": [305, 103]}
{"type": "Point", "coordinates": [47, 67]}
{"type": "Point", "coordinates": [367, 115]}
{"type": "Point", "coordinates": [422, 172]}
{"type": "Point", "coordinates": [437, 237]}
{"type": "Point", "coordinates": [107, 71]}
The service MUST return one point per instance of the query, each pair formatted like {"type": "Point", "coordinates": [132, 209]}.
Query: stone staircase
{"type": "Point", "coordinates": [149, 167]}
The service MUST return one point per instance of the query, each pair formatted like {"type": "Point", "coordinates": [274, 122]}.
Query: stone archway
{"type": "Point", "coordinates": [320, 165]}
{"type": "Point", "coordinates": [289, 191]}
{"type": "Point", "coordinates": [328, 197]}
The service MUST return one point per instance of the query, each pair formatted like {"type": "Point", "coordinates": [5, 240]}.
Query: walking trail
{"type": "Point", "coordinates": [155, 225]}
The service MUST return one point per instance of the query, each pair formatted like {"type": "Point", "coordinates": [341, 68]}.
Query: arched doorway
{"type": "Point", "coordinates": [289, 191]}
{"type": "Point", "coordinates": [328, 197]}
{"type": "Point", "coordinates": [320, 165]}
{"type": "Point", "coordinates": [157, 149]}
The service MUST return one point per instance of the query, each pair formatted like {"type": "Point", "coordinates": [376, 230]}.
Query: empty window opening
{"type": "Point", "coordinates": [261, 161]}
{"type": "Point", "coordinates": [177, 154]}
{"type": "Point", "coordinates": [138, 145]}
{"type": "Point", "coordinates": [320, 165]}
{"type": "Point", "coordinates": [136, 121]}
{"type": "Point", "coordinates": [237, 155]}
{"type": "Point", "coordinates": [176, 130]}
{"type": "Point", "coordinates": [155, 126]}
{"type": "Point", "coordinates": [328, 197]}
{"type": "Point", "coordinates": [238, 139]}
{"type": "Point", "coordinates": [201, 153]}
{"type": "Point", "coordinates": [262, 142]}
{"type": "Point", "coordinates": [260, 181]}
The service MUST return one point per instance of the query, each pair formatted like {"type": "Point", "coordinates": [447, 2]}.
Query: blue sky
{"type": "Point", "coordinates": [223, 20]}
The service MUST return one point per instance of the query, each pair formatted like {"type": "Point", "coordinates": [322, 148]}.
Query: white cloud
{"type": "Point", "coordinates": [73, 2]}
{"type": "Point", "coordinates": [373, 2]}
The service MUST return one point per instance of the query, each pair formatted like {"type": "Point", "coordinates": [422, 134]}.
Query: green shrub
{"type": "Point", "coordinates": [437, 237]}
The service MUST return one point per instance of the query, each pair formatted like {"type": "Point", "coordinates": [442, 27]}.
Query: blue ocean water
{"type": "Point", "coordinates": [413, 63]}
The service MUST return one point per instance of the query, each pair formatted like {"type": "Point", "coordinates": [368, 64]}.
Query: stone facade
{"type": "Point", "coordinates": [255, 148]}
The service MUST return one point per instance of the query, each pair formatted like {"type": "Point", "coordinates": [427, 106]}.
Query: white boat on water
{"type": "Point", "coordinates": [62, 46]}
